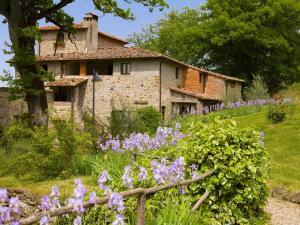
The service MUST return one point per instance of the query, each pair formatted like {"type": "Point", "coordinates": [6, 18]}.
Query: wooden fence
{"type": "Point", "coordinates": [140, 193]}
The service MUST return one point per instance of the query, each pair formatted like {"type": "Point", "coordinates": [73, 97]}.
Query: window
{"type": "Point", "coordinates": [45, 67]}
{"type": "Point", "coordinates": [125, 68]}
{"type": "Point", "coordinates": [177, 73]}
{"type": "Point", "coordinates": [61, 37]}
{"type": "Point", "coordinates": [110, 69]}
{"type": "Point", "coordinates": [200, 77]}
{"type": "Point", "coordinates": [62, 94]}
{"type": "Point", "coordinates": [232, 84]}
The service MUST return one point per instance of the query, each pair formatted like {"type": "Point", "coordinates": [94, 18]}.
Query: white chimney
{"type": "Point", "coordinates": [90, 21]}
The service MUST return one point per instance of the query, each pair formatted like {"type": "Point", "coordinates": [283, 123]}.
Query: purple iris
{"type": "Point", "coordinates": [93, 198]}
{"type": "Point", "coordinates": [45, 203]}
{"type": "Point", "coordinates": [143, 174]}
{"type": "Point", "coordinates": [126, 178]}
{"type": "Point", "coordinates": [3, 195]}
{"type": "Point", "coordinates": [77, 221]}
{"type": "Point", "coordinates": [116, 202]}
{"type": "Point", "coordinates": [119, 220]}
{"type": "Point", "coordinates": [102, 180]}
{"type": "Point", "coordinates": [44, 220]}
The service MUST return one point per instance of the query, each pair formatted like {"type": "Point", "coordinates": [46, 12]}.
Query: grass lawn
{"type": "Point", "coordinates": [42, 188]}
{"type": "Point", "coordinates": [283, 144]}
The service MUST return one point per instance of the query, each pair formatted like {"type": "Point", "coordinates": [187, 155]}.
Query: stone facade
{"type": "Point", "coordinates": [141, 87]}
{"type": "Point", "coordinates": [10, 110]}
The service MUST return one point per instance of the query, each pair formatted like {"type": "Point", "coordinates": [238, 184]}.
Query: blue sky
{"type": "Point", "coordinates": [107, 23]}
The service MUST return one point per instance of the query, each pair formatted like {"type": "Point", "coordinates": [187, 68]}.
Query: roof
{"type": "Point", "coordinates": [48, 28]}
{"type": "Point", "coordinates": [67, 82]}
{"type": "Point", "coordinates": [112, 37]}
{"type": "Point", "coordinates": [192, 93]}
{"type": "Point", "coordinates": [221, 75]}
{"type": "Point", "coordinates": [103, 53]}
{"type": "Point", "coordinates": [124, 53]}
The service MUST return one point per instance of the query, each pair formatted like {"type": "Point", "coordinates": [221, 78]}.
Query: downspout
{"type": "Point", "coordinates": [160, 88]}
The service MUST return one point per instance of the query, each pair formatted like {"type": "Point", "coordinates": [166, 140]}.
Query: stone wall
{"type": "Point", "coordinates": [48, 40]}
{"type": "Point", "coordinates": [9, 110]}
{"type": "Point", "coordinates": [106, 42]}
{"type": "Point", "coordinates": [140, 87]}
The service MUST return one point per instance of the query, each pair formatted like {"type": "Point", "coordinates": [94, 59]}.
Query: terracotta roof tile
{"type": "Point", "coordinates": [103, 53]}
{"type": "Point", "coordinates": [192, 93]}
{"type": "Point", "coordinates": [76, 26]}
{"type": "Point", "coordinates": [67, 82]}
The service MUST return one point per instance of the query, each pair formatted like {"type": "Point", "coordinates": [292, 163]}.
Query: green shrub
{"type": "Point", "coordinates": [124, 121]}
{"type": "Point", "coordinates": [276, 113]}
{"type": "Point", "coordinates": [151, 118]}
{"type": "Point", "coordinates": [40, 153]}
{"type": "Point", "coordinates": [238, 186]}
{"type": "Point", "coordinates": [257, 90]}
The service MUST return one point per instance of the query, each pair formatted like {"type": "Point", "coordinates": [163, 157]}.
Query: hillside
{"type": "Point", "coordinates": [282, 142]}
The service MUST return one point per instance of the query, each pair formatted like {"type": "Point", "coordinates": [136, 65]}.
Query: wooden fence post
{"type": "Point", "coordinates": [141, 210]}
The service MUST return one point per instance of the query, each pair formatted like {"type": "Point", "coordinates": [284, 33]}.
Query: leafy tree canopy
{"type": "Point", "coordinates": [233, 37]}
{"type": "Point", "coordinates": [22, 17]}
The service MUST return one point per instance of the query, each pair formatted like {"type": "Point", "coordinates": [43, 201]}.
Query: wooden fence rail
{"type": "Point", "coordinates": [141, 194]}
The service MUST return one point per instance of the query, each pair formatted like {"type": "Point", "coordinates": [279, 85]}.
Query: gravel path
{"type": "Point", "coordinates": [283, 213]}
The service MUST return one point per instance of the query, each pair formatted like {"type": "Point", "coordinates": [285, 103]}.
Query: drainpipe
{"type": "Point", "coordinates": [160, 91]}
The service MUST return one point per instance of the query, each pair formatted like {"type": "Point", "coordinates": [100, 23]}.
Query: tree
{"type": "Point", "coordinates": [22, 17]}
{"type": "Point", "coordinates": [233, 37]}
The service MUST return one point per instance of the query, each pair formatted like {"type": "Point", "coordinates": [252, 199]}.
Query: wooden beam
{"type": "Point", "coordinates": [83, 68]}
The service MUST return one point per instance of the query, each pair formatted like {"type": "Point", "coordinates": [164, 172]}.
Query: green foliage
{"type": "Point", "coordinates": [276, 113]}
{"type": "Point", "coordinates": [38, 153]}
{"type": "Point", "coordinates": [240, 161]}
{"type": "Point", "coordinates": [124, 121]}
{"type": "Point", "coordinates": [150, 117]}
{"type": "Point", "coordinates": [238, 38]}
{"type": "Point", "coordinates": [257, 90]}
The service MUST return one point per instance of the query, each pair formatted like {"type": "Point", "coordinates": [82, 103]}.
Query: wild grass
{"type": "Point", "coordinates": [283, 145]}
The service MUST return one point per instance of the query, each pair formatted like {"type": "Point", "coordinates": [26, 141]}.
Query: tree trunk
{"type": "Point", "coordinates": [24, 61]}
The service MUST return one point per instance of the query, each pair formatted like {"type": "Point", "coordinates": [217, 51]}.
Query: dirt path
{"type": "Point", "coordinates": [283, 213]}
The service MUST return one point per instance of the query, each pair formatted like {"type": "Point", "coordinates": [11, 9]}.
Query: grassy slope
{"type": "Point", "coordinates": [283, 143]}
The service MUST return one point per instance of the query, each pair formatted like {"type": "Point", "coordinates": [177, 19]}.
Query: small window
{"type": "Point", "coordinates": [62, 94]}
{"type": "Point", "coordinates": [177, 73]}
{"type": "Point", "coordinates": [61, 37]}
{"type": "Point", "coordinates": [125, 68]}
{"type": "Point", "coordinates": [200, 77]}
{"type": "Point", "coordinates": [232, 84]}
{"type": "Point", "coordinates": [45, 67]}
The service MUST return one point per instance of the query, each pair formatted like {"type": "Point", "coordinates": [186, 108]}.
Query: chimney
{"type": "Point", "coordinates": [90, 21]}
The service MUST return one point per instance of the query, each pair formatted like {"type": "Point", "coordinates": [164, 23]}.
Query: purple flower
{"type": "Point", "coordinates": [15, 222]}
{"type": "Point", "coordinates": [194, 169]}
{"type": "Point", "coordinates": [44, 220]}
{"type": "Point", "coordinates": [54, 192]}
{"type": "Point", "coordinates": [176, 170]}
{"type": "Point", "coordinates": [3, 195]}
{"type": "Point", "coordinates": [80, 190]}
{"type": "Point", "coordinates": [45, 203]}
{"type": "Point", "coordinates": [4, 215]}
{"type": "Point", "coordinates": [102, 180]}
{"type": "Point", "coordinates": [93, 198]}
{"type": "Point", "coordinates": [126, 178]}
{"type": "Point", "coordinates": [143, 174]}
{"type": "Point", "coordinates": [116, 202]}
{"type": "Point", "coordinates": [77, 205]}
{"type": "Point", "coordinates": [14, 205]}
{"type": "Point", "coordinates": [160, 171]}
{"type": "Point", "coordinates": [119, 220]}
{"type": "Point", "coordinates": [77, 221]}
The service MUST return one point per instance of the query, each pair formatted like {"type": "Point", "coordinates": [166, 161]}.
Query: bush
{"type": "Point", "coordinates": [278, 113]}
{"type": "Point", "coordinates": [257, 90]}
{"type": "Point", "coordinates": [39, 153]}
{"type": "Point", "coordinates": [150, 117]}
{"type": "Point", "coordinates": [124, 121]}
{"type": "Point", "coordinates": [238, 186]}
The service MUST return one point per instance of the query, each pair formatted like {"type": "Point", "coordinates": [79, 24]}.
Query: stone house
{"type": "Point", "coordinates": [134, 75]}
